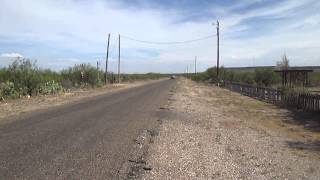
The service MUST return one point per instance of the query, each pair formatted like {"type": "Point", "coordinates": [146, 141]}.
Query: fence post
{"type": "Point", "coordinates": [305, 101]}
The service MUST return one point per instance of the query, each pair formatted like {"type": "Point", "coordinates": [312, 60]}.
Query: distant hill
{"type": "Point", "coordinates": [251, 69]}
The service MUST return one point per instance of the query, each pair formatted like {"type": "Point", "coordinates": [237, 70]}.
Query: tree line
{"type": "Point", "coordinates": [263, 77]}
{"type": "Point", "coordinates": [260, 76]}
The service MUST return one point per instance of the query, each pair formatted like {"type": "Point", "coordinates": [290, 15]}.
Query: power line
{"type": "Point", "coordinates": [113, 47]}
{"type": "Point", "coordinates": [172, 42]}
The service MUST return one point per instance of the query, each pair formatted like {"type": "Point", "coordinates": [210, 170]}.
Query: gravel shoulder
{"type": "Point", "coordinates": [13, 108]}
{"type": "Point", "coordinates": [212, 133]}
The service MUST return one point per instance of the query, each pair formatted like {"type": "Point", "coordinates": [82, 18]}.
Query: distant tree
{"type": "Point", "coordinates": [212, 73]}
{"type": "Point", "coordinates": [83, 74]}
{"type": "Point", "coordinates": [284, 63]}
{"type": "Point", "coordinates": [230, 76]}
{"type": "Point", "coordinates": [264, 77]}
{"type": "Point", "coordinates": [246, 77]}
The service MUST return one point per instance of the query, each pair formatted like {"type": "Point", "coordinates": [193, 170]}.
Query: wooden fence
{"type": "Point", "coordinates": [305, 101]}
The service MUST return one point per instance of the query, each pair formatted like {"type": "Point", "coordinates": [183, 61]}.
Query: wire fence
{"type": "Point", "coordinates": [304, 101]}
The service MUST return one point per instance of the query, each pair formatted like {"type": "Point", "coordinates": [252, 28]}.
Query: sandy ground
{"type": "Point", "coordinates": [19, 106]}
{"type": "Point", "coordinates": [212, 133]}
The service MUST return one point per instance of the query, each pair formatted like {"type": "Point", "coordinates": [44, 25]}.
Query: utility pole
{"type": "Point", "coordinates": [119, 62]}
{"type": "Point", "coordinates": [98, 70]}
{"type": "Point", "coordinates": [187, 71]}
{"type": "Point", "coordinates": [218, 48]}
{"type": "Point", "coordinates": [195, 65]}
{"type": "Point", "coordinates": [107, 59]}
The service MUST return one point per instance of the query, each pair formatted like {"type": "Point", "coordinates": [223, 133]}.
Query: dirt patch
{"type": "Point", "coordinates": [260, 115]}
{"type": "Point", "coordinates": [217, 134]}
{"type": "Point", "coordinates": [230, 124]}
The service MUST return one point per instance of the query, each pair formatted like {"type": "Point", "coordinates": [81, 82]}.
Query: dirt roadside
{"type": "Point", "coordinates": [212, 133]}
{"type": "Point", "coordinates": [20, 106]}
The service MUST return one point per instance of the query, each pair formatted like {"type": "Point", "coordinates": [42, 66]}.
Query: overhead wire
{"type": "Point", "coordinates": [169, 42]}
{"type": "Point", "coordinates": [112, 52]}
{"type": "Point", "coordinates": [113, 47]}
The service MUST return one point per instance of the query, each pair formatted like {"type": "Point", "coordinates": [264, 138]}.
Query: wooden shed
{"type": "Point", "coordinates": [294, 77]}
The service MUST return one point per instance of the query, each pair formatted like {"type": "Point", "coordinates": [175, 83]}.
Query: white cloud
{"type": "Point", "coordinates": [11, 55]}
{"type": "Point", "coordinates": [81, 27]}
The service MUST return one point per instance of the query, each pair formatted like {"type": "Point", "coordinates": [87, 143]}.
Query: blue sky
{"type": "Point", "coordinates": [61, 33]}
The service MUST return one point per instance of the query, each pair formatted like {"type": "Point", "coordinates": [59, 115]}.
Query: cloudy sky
{"type": "Point", "coordinates": [60, 33]}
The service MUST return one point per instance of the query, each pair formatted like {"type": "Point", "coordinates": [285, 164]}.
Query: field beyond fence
{"type": "Point", "coordinates": [298, 100]}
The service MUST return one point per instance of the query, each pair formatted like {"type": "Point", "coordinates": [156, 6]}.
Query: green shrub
{"type": "Point", "coordinates": [262, 76]}
{"type": "Point", "coordinates": [244, 77]}
{"type": "Point", "coordinates": [23, 73]}
{"type": "Point", "coordinates": [7, 89]}
{"type": "Point", "coordinates": [50, 87]}
{"type": "Point", "coordinates": [315, 79]}
{"type": "Point", "coordinates": [209, 75]}
{"type": "Point", "coordinates": [83, 75]}
{"type": "Point", "coordinates": [265, 77]}
{"type": "Point", "coordinates": [134, 77]}
{"type": "Point", "coordinates": [204, 76]}
{"type": "Point", "coordinates": [23, 77]}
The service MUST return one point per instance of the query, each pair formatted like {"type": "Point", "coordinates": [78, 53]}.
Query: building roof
{"type": "Point", "coordinates": [295, 69]}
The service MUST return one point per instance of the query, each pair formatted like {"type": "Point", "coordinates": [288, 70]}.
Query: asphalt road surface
{"type": "Point", "coordinates": [90, 139]}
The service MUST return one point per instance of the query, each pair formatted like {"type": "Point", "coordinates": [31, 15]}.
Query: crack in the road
{"type": "Point", "coordinates": [133, 168]}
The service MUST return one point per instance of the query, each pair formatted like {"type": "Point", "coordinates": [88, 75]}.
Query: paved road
{"type": "Point", "coordinates": [87, 140]}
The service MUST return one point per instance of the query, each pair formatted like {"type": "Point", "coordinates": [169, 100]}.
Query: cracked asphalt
{"type": "Point", "coordinates": [90, 139]}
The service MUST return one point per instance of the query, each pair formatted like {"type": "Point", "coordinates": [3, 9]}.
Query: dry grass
{"type": "Point", "coordinates": [267, 116]}
{"type": "Point", "coordinates": [213, 133]}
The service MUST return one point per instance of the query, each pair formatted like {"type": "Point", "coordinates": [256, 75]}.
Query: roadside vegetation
{"type": "Point", "coordinates": [147, 76]}
{"type": "Point", "coordinates": [24, 78]}
{"type": "Point", "coordinates": [263, 77]}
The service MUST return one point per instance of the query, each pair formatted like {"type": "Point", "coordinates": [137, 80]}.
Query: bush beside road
{"type": "Point", "coordinates": [24, 78]}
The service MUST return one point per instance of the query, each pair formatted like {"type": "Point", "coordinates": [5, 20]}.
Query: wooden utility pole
{"type": "Point", "coordinates": [107, 58]}
{"type": "Point", "coordinates": [119, 62]}
{"type": "Point", "coordinates": [98, 70]}
{"type": "Point", "coordinates": [218, 48]}
{"type": "Point", "coordinates": [187, 71]}
{"type": "Point", "coordinates": [195, 65]}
